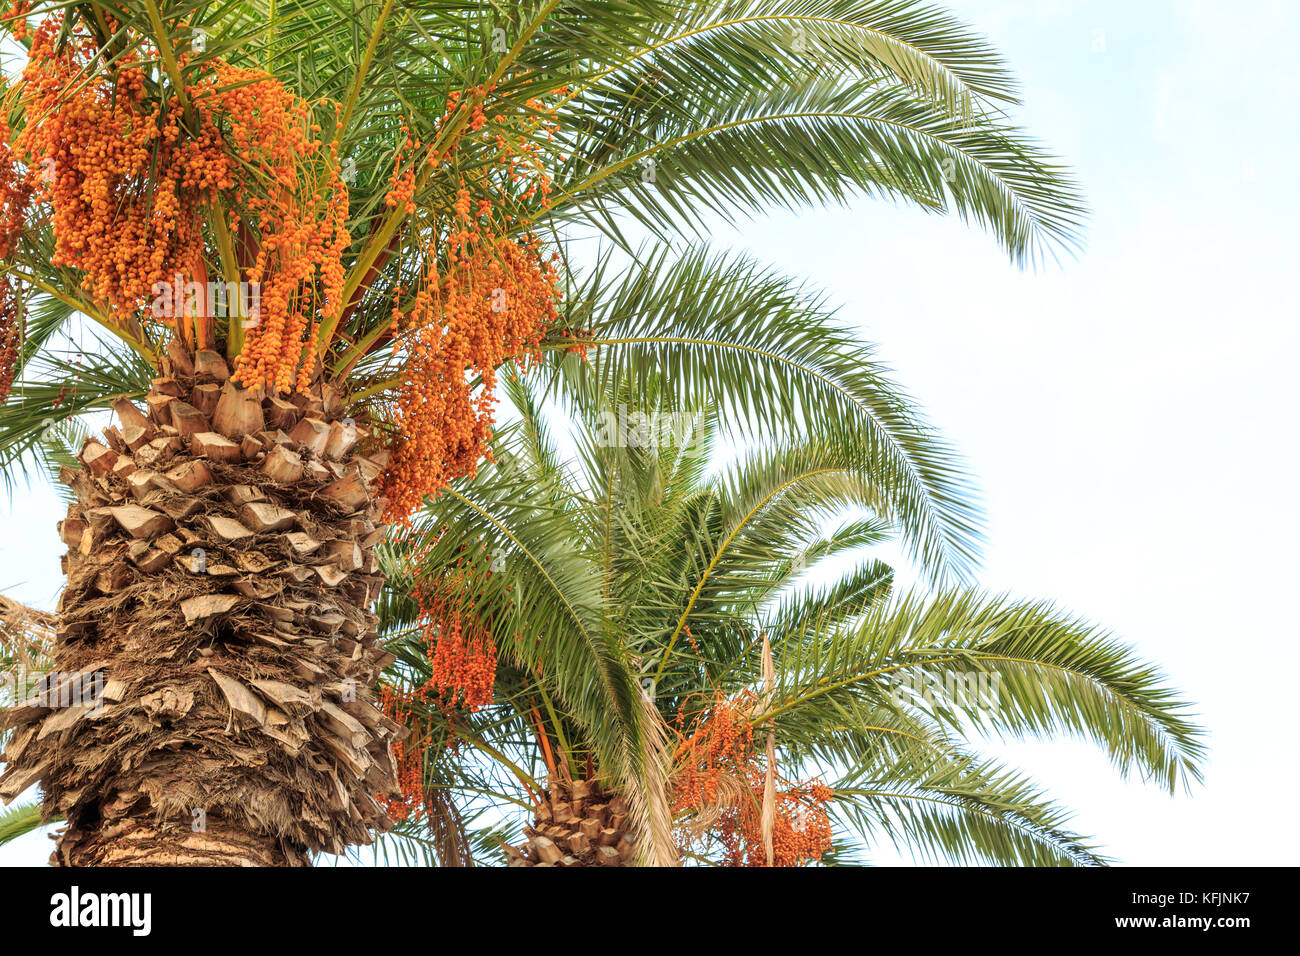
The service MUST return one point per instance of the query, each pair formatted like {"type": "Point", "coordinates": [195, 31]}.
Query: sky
{"type": "Point", "coordinates": [1129, 413]}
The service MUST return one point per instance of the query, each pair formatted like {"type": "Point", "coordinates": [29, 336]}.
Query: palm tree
{"type": "Point", "coordinates": [660, 551]}
{"type": "Point", "coordinates": [305, 238]}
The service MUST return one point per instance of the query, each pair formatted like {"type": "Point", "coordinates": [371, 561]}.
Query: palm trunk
{"type": "Point", "coordinates": [216, 624]}
{"type": "Point", "coordinates": [584, 823]}
{"type": "Point", "coordinates": [578, 824]}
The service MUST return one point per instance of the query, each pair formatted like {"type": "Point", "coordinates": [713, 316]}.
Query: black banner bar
{"type": "Point", "coordinates": [330, 906]}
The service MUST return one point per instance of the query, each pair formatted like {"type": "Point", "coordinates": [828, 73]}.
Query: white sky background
{"type": "Point", "coordinates": [1129, 415]}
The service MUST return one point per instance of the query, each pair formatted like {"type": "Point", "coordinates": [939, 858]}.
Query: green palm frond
{"type": "Point", "coordinates": [58, 390]}
{"type": "Point", "coordinates": [967, 816]}
{"type": "Point", "coordinates": [19, 821]}
{"type": "Point", "coordinates": [736, 106]}
{"type": "Point", "coordinates": [59, 446]}
{"type": "Point", "coordinates": [992, 664]}
{"type": "Point", "coordinates": [552, 596]}
{"type": "Point", "coordinates": [767, 357]}
{"type": "Point", "coordinates": [828, 141]}
{"type": "Point", "coordinates": [831, 604]}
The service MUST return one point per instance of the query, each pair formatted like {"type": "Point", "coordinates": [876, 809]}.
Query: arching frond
{"type": "Point", "coordinates": [724, 334]}
{"type": "Point", "coordinates": [993, 664]}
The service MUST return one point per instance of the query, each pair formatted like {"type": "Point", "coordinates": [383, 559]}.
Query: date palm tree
{"type": "Point", "coordinates": [304, 237]}
{"type": "Point", "coordinates": [624, 535]}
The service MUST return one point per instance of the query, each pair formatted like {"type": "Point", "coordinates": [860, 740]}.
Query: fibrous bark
{"type": "Point", "coordinates": [578, 824]}
{"type": "Point", "coordinates": [219, 573]}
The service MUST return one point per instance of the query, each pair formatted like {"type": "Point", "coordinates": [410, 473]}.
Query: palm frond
{"type": "Point", "coordinates": [19, 821]}
{"type": "Point", "coordinates": [770, 360]}
{"type": "Point", "coordinates": [58, 390]}
{"type": "Point", "coordinates": [971, 661]}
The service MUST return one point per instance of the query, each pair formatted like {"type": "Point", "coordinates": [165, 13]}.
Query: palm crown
{"type": "Point", "coordinates": [561, 116]}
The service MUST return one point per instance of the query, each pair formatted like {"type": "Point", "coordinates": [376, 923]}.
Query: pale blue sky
{"type": "Point", "coordinates": [1130, 415]}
